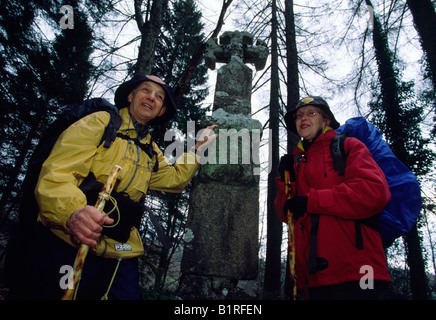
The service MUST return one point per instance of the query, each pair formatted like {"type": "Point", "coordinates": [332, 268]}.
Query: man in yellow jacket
{"type": "Point", "coordinates": [142, 101]}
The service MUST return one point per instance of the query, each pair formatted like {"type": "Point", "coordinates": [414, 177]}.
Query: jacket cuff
{"type": "Point", "coordinates": [57, 220]}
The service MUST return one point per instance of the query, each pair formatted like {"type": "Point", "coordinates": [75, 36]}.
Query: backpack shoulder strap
{"type": "Point", "coordinates": [101, 104]}
{"type": "Point", "coordinates": [110, 132]}
{"type": "Point", "coordinates": [338, 153]}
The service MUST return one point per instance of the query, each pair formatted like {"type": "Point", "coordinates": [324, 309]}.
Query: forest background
{"type": "Point", "coordinates": [366, 58]}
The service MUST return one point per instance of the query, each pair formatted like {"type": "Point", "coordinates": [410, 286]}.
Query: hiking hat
{"type": "Point", "coordinates": [313, 101]}
{"type": "Point", "coordinates": [127, 87]}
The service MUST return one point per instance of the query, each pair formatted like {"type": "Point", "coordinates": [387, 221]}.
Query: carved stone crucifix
{"type": "Point", "coordinates": [236, 43]}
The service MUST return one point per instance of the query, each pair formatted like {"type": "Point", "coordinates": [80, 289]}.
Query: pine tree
{"type": "Point", "coordinates": [40, 76]}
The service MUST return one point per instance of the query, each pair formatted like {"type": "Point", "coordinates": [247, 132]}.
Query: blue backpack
{"type": "Point", "coordinates": [401, 213]}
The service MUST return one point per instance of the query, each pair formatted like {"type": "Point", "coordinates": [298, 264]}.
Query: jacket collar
{"type": "Point", "coordinates": [128, 127]}
{"type": "Point", "coordinates": [301, 144]}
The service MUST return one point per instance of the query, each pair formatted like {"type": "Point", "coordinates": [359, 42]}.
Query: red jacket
{"type": "Point", "coordinates": [360, 193]}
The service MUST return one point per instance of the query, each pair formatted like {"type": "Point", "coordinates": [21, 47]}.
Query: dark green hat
{"type": "Point", "coordinates": [313, 101]}
{"type": "Point", "coordinates": [127, 87]}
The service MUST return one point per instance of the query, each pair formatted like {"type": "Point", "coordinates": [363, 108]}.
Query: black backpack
{"type": "Point", "coordinates": [17, 256]}
{"type": "Point", "coordinates": [17, 252]}
{"type": "Point", "coordinates": [69, 115]}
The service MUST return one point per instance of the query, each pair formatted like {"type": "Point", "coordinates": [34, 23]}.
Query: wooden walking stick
{"type": "Point", "coordinates": [291, 237]}
{"type": "Point", "coordinates": [83, 250]}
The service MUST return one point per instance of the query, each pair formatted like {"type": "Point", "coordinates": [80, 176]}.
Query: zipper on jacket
{"type": "Point", "coordinates": [136, 163]}
{"type": "Point", "coordinates": [300, 157]}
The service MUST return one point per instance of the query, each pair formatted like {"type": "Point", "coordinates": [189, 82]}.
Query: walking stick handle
{"type": "Point", "coordinates": [83, 250]}
{"type": "Point", "coordinates": [291, 237]}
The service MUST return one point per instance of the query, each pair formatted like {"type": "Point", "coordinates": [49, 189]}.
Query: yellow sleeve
{"type": "Point", "coordinates": [174, 178]}
{"type": "Point", "coordinates": [69, 162]}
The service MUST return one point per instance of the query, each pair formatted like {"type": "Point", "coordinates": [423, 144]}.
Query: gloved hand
{"type": "Point", "coordinates": [297, 205]}
{"type": "Point", "coordinates": [286, 163]}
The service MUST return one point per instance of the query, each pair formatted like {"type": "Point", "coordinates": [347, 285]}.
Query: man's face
{"type": "Point", "coordinates": [146, 102]}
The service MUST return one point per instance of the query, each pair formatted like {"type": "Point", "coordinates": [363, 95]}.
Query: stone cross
{"type": "Point", "coordinates": [234, 79]}
{"type": "Point", "coordinates": [236, 43]}
{"type": "Point", "coordinates": [220, 258]}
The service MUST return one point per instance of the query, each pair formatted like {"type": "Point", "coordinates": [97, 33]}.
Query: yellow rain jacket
{"type": "Point", "coordinates": [77, 153]}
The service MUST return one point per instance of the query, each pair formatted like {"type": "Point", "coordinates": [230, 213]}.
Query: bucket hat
{"type": "Point", "coordinates": [127, 87]}
{"type": "Point", "coordinates": [314, 101]}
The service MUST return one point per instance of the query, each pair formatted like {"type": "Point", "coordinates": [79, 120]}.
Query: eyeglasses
{"type": "Point", "coordinates": [310, 114]}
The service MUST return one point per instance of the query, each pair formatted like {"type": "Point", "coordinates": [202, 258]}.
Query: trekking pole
{"type": "Point", "coordinates": [291, 237]}
{"type": "Point", "coordinates": [83, 250]}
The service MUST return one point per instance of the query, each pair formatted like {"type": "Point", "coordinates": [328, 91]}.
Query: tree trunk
{"type": "Point", "coordinates": [424, 18]}
{"type": "Point", "coordinates": [272, 284]}
{"type": "Point", "coordinates": [418, 278]}
{"type": "Point", "coordinates": [150, 30]}
{"type": "Point", "coordinates": [293, 95]}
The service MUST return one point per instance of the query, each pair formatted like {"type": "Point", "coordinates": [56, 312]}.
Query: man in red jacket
{"type": "Point", "coordinates": [338, 255]}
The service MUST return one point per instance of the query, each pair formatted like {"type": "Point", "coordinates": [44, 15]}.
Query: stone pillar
{"type": "Point", "coordinates": [220, 259]}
